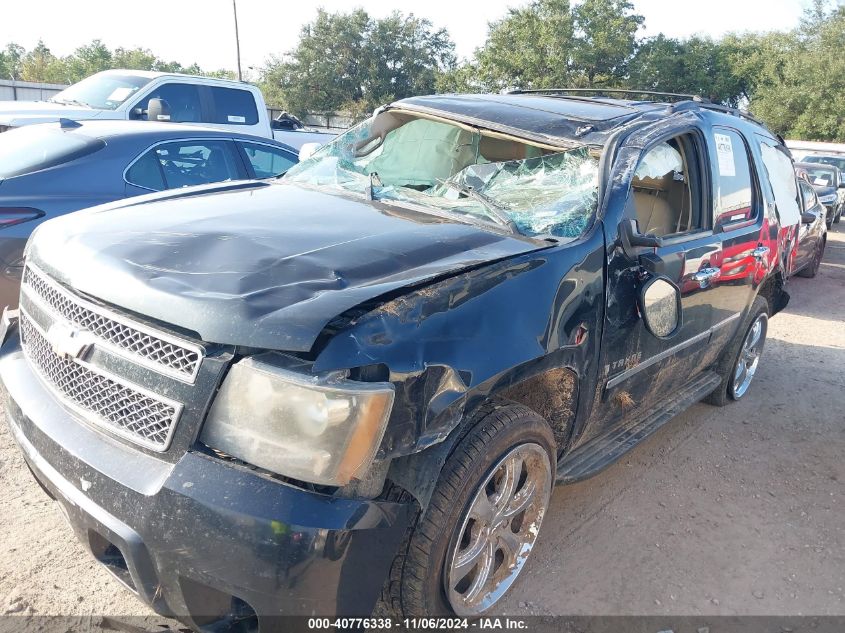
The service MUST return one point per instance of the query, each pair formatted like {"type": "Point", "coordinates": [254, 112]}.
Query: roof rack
{"type": "Point", "coordinates": [613, 91]}
{"type": "Point", "coordinates": [742, 114]}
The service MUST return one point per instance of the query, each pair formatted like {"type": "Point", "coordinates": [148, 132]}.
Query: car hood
{"type": "Point", "coordinates": [824, 190]}
{"type": "Point", "coordinates": [17, 113]}
{"type": "Point", "coordinates": [259, 265]}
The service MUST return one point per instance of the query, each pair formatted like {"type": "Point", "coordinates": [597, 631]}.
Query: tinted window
{"type": "Point", "coordinates": [182, 99]}
{"type": "Point", "coordinates": [266, 161]}
{"type": "Point", "coordinates": [36, 147]}
{"type": "Point", "coordinates": [734, 200]}
{"type": "Point", "coordinates": [146, 172]}
{"type": "Point", "coordinates": [183, 164]}
{"type": "Point", "coordinates": [233, 107]}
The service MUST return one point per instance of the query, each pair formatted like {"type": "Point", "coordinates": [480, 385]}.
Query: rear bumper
{"type": "Point", "coordinates": [200, 539]}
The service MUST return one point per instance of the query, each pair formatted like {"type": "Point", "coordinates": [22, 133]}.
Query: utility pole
{"type": "Point", "coordinates": [237, 39]}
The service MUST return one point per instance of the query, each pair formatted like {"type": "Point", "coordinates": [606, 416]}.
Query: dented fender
{"type": "Point", "coordinates": [452, 345]}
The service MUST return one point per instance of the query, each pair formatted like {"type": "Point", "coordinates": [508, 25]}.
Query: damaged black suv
{"type": "Point", "coordinates": [355, 388]}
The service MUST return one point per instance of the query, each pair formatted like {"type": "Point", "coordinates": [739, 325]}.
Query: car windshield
{"type": "Point", "coordinates": [103, 91]}
{"type": "Point", "coordinates": [456, 170]}
{"type": "Point", "coordinates": [820, 176]}
{"type": "Point", "coordinates": [35, 147]}
{"type": "Point", "coordinates": [835, 161]}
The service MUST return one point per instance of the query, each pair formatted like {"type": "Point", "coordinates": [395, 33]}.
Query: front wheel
{"type": "Point", "coordinates": [740, 361]}
{"type": "Point", "coordinates": [469, 546]}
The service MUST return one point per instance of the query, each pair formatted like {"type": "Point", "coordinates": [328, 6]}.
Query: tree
{"type": "Point", "coordinates": [529, 48]}
{"type": "Point", "coordinates": [801, 93]}
{"type": "Point", "coordinates": [697, 65]}
{"type": "Point", "coordinates": [604, 40]}
{"type": "Point", "coordinates": [353, 62]}
{"type": "Point", "coordinates": [10, 61]}
{"type": "Point", "coordinates": [87, 60]}
{"type": "Point", "coordinates": [40, 64]}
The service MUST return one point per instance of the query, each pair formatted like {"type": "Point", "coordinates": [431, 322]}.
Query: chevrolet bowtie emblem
{"type": "Point", "coordinates": [67, 341]}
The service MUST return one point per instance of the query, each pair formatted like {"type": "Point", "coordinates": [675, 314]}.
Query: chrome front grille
{"type": "Point", "coordinates": [102, 399]}
{"type": "Point", "coordinates": [154, 349]}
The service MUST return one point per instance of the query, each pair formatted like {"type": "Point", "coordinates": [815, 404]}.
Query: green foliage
{"type": "Point", "coordinates": [794, 80]}
{"type": "Point", "coordinates": [800, 92]}
{"type": "Point", "coordinates": [41, 65]}
{"type": "Point", "coordinates": [528, 48]}
{"type": "Point", "coordinates": [354, 62]}
{"type": "Point", "coordinates": [604, 42]}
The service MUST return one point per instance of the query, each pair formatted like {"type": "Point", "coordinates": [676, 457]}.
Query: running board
{"type": "Point", "coordinates": [600, 452]}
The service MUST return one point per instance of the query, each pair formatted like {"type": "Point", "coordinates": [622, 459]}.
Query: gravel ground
{"type": "Point", "coordinates": [734, 511]}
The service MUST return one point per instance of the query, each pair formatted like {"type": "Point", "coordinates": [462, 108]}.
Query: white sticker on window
{"type": "Point", "coordinates": [820, 181]}
{"type": "Point", "coordinates": [163, 117]}
{"type": "Point", "coordinates": [236, 119]}
{"type": "Point", "coordinates": [120, 94]}
{"type": "Point", "coordinates": [725, 153]}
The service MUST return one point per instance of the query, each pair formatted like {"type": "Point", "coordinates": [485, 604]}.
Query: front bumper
{"type": "Point", "coordinates": [202, 540]}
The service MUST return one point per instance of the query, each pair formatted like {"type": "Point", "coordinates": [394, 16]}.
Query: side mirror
{"type": "Point", "coordinates": [307, 150]}
{"type": "Point", "coordinates": [807, 217]}
{"type": "Point", "coordinates": [660, 307]}
{"type": "Point", "coordinates": [158, 110]}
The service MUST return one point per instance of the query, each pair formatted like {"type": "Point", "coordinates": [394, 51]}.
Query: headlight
{"type": "Point", "coordinates": [828, 199]}
{"type": "Point", "coordinates": [316, 429]}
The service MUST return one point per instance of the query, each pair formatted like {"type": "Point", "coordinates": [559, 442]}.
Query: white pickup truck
{"type": "Point", "coordinates": [127, 94]}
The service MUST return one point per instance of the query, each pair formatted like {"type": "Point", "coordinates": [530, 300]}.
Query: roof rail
{"type": "Point", "coordinates": [614, 91]}
{"type": "Point", "coordinates": [742, 114]}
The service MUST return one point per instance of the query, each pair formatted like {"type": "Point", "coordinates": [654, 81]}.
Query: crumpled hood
{"type": "Point", "coordinates": [261, 266]}
{"type": "Point", "coordinates": [17, 113]}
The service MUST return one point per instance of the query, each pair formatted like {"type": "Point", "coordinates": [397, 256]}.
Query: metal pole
{"type": "Point", "coordinates": [237, 39]}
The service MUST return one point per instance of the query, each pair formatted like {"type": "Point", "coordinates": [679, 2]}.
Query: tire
{"type": "Point", "coordinates": [837, 217]}
{"type": "Point", "coordinates": [809, 271]}
{"type": "Point", "coordinates": [478, 465]}
{"type": "Point", "coordinates": [728, 365]}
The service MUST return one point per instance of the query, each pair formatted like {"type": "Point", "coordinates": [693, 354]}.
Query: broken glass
{"type": "Point", "coordinates": [442, 167]}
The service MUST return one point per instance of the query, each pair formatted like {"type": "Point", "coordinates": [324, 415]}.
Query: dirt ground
{"type": "Point", "coordinates": [723, 511]}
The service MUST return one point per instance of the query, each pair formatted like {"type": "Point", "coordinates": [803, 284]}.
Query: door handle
{"type": "Point", "coordinates": [705, 276]}
{"type": "Point", "coordinates": [760, 252]}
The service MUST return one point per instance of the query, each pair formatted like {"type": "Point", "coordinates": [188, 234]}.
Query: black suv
{"type": "Point", "coordinates": [354, 388]}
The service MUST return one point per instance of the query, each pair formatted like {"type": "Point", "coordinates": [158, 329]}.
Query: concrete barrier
{"type": "Point", "coordinates": [27, 90]}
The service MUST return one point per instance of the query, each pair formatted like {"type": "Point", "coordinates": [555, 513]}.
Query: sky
{"type": "Point", "coordinates": [202, 31]}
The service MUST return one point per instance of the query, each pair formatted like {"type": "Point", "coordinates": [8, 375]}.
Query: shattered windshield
{"type": "Point", "coordinates": [456, 170]}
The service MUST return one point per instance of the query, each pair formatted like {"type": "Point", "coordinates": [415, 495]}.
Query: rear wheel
{"type": "Point", "coordinates": [469, 546]}
{"type": "Point", "coordinates": [812, 268]}
{"type": "Point", "coordinates": [739, 362]}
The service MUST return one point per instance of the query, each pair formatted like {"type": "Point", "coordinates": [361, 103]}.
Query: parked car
{"type": "Point", "coordinates": [812, 236]}
{"type": "Point", "coordinates": [826, 180]}
{"type": "Point", "coordinates": [358, 384]}
{"type": "Point", "coordinates": [837, 161]}
{"type": "Point", "coordinates": [52, 169]}
{"type": "Point", "coordinates": [156, 96]}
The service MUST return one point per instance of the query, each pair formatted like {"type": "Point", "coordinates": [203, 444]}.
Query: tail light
{"type": "Point", "coordinates": [10, 216]}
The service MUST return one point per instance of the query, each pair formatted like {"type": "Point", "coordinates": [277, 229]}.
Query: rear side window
{"type": "Point", "coordinates": [266, 161]}
{"type": "Point", "coordinates": [36, 147]}
{"type": "Point", "coordinates": [184, 164]}
{"type": "Point", "coordinates": [233, 107]}
{"type": "Point", "coordinates": [734, 202]}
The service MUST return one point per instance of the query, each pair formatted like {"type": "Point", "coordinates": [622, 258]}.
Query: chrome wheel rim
{"type": "Point", "coordinates": [498, 530]}
{"type": "Point", "coordinates": [749, 356]}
